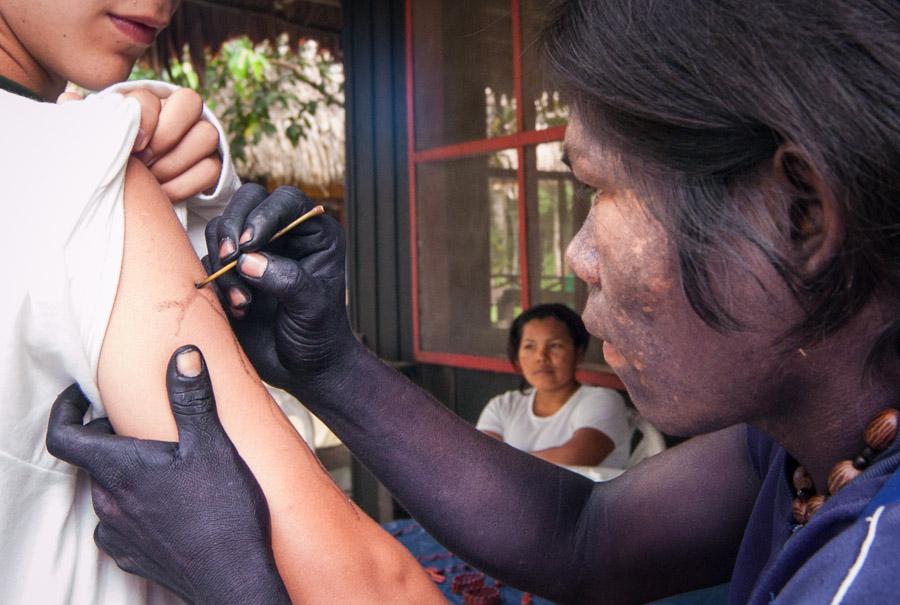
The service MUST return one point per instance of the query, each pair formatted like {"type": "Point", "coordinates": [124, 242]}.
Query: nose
{"type": "Point", "coordinates": [582, 256]}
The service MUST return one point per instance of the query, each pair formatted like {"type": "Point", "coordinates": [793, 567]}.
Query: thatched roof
{"type": "Point", "coordinates": [317, 164]}
{"type": "Point", "coordinates": [208, 23]}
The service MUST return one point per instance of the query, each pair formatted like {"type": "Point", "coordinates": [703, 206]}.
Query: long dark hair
{"type": "Point", "coordinates": [693, 97]}
{"type": "Point", "coordinates": [571, 319]}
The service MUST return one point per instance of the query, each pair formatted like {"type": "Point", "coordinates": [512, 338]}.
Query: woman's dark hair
{"type": "Point", "coordinates": [575, 326]}
{"type": "Point", "coordinates": [694, 98]}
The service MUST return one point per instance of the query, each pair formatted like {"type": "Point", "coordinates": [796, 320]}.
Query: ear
{"type": "Point", "coordinates": [816, 223]}
{"type": "Point", "coordinates": [579, 356]}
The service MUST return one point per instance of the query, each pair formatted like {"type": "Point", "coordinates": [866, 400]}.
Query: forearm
{"type": "Point", "coordinates": [473, 493]}
{"type": "Point", "coordinates": [587, 447]}
{"type": "Point", "coordinates": [564, 455]}
{"type": "Point", "coordinates": [326, 549]}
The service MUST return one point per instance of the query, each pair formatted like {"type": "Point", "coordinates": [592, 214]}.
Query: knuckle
{"type": "Point", "coordinates": [212, 228]}
{"type": "Point", "coordinates": [207, 135]}
{"type": "Point", "coordinates": [193, 401]}
{"type": "Point", "coordinates": [209, 167]}
{"type": "Point", "coordinates": [103, 503]}
{"type": "Point", "coordinates": [191, 100]}
{"type": "Point", "coordinates": [55, 443]}
{"type": "Point", "coordinates": [176, 191]}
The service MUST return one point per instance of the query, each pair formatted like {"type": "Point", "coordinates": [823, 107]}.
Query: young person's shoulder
{"type": "Point", "coordinates": [104, 116]}
{"type": "Point", "coordinates": [79, 140]}
{"type": "Point", "coordinates": [99, 132]}
{"type": "Point", "coordinates": [59, 159]}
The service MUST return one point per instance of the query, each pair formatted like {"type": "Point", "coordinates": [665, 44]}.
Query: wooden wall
{"type": "Point", "coordinates": [377, 207]}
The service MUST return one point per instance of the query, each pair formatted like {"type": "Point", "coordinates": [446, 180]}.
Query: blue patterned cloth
{"type": "Point", "coordinates": [429, 553]}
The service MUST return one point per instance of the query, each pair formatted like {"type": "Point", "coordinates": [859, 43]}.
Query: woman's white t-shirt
{"type": "Point", "coordinates": [62, 173]}
{"type": "Point", "coordinates": [512, 415]}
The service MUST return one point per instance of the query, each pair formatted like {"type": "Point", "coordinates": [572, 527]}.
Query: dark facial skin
{"type": "Point", "coordinates": [683, 375]}
{"type": "Point", "coordinates": [677, 369]}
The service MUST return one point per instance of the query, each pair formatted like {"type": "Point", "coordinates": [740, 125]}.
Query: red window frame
{"type": "Point", "coordinates": [520, 140]}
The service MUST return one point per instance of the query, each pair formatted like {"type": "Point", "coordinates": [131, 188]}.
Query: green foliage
{"type": "Point", "coordinates": [253, 89]}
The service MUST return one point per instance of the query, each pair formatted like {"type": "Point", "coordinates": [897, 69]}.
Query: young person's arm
{"type": "Point", "coordinates": [325, 547]}
{"type": "Point", "coordinates": [155, 499]}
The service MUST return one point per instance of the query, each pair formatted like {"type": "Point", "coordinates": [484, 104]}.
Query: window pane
{"type": "Point", "coordinates": [543, 108]}
{"type": "Point", "coordinates": [462, 64]}
{"type": "Point", "coordinates": [558, 208]}
{"type": "Point", "coordinates": [468, 253]}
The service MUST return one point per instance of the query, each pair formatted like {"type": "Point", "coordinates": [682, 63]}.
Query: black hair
{"type": "Point", "coordinates": [572, 320]}
{"type": "Point", "coordinates": [694, 98]}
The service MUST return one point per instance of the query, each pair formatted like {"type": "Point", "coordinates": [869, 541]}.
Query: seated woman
{"type": "Point", "coordinates": [552, 415]}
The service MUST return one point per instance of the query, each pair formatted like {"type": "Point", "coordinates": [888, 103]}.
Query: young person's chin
{"type": "Point", "coordinates": [102, 78]}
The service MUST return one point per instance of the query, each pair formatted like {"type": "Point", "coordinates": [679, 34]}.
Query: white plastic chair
{"type": "Point", "coordinates": [651, 443]}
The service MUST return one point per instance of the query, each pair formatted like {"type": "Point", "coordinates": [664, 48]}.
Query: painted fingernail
{"type": "Point", "coordinates": [247, 235]}
{"type": "Point", "coordinates": [238, 299]}
{"type": "Point", "coordinates": [226, 247]}
{"type": "Point", "coordinates": [253, 265]}
{"type": "Point", "coordinates": [188, 363]}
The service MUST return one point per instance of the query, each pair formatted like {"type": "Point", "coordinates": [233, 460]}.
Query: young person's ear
{"type": "Point", "coordinates": [814, 219]}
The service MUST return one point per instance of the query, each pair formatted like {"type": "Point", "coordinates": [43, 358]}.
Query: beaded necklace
{"type": "Point", "coordinates": [880, 433]}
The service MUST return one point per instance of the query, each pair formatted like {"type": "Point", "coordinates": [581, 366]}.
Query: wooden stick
{"type": "Point", "coordinates": [226, 268]}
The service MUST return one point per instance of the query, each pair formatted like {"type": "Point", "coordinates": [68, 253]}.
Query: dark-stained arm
{"type": "Point", "coordinates": [671, 524]}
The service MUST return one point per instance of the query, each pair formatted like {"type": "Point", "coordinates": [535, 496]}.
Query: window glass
{"type": "Point", "coordinates": [541, 105]}
{"type": "Point", "coordinates": [557, 207]}
{"type": "Point", "coordinates": [467, 225]}
{"type": "Point", "coordinates": [463, 70]}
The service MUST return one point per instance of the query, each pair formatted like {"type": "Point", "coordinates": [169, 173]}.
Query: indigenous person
{"type": "Point", "coordinates": [742, 257]}
{"type": "Point", "coordinates": [557, 418]}
{"type": "Point", "coordinates": [100, 289]}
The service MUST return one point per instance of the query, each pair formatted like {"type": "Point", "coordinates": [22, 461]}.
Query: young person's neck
{"type": "Point", "coordinates": [17, 64]}
{"type": "Point", "coordinates": [547, 402]}
{"type": "Point", "coordinates": [822, 419]}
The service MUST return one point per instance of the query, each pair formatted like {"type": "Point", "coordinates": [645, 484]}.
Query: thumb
{"type": "Point", "coordinates": [191, 396]}
{"type": "Point", "coordinates": [281, 277]}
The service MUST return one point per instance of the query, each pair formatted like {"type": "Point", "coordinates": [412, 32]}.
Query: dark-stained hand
{"type": "Point", "coordinates": [288, 300]}
{"type": "Point", "coordinates": [187, 515]}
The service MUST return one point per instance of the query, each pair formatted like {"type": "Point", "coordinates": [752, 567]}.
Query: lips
{"type": "Point", "coordinates": [141, 30]}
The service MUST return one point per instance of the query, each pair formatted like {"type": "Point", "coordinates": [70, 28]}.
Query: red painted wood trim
{"type": "Point", "coordinates": [502, 366]}
{"type": "Point", "coordinates": [483, 146]}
